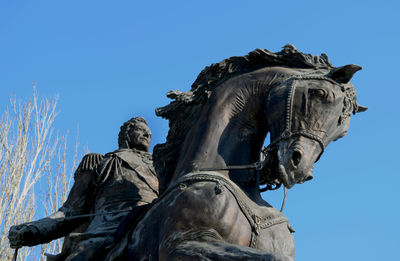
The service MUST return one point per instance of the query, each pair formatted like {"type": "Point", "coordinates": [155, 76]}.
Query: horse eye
{"type": "Point", "coordinates": [319, 93]}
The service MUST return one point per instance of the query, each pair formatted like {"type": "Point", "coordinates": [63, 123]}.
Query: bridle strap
{"type": "Point", "coordinates": [287, 135]}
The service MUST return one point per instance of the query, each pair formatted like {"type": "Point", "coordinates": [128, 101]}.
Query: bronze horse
{"type": "Point", "coordinates": [211, 207]}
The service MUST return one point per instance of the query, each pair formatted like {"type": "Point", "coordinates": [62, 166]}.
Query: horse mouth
{"type": "Point", "coordinates": [287, 180]}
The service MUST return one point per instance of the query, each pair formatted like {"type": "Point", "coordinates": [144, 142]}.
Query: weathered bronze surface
{"type": "Point", "coordinates": [210, 171]}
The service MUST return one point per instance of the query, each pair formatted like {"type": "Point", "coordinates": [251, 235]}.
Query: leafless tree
{"type": "Point", "coordinates": [31, 153]}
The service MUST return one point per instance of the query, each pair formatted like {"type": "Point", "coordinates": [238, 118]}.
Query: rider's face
{"type": "Point", "coordinates": [140, 136]}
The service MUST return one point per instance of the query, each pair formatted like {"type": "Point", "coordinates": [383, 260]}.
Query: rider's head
{"type": "Point", "coordinates": [136, 134]}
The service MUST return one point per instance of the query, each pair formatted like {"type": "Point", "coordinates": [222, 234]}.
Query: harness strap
{"type": "Point", "coordinates": [219, 179]}
{"type": "Point", "coordinates": [256, 223]}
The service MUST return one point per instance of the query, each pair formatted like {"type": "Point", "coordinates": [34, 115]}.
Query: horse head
{"type": "Point", "coordinates": [302, 100]}
{"type": "Point", "coordinates": [317, 106]}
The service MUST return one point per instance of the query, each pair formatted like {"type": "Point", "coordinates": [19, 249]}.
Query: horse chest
{"type": "Point", "coordinates": [275, 239]}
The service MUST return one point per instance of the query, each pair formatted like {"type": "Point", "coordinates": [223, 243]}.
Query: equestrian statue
{"type": "Point", "coordinates": [213, 166]}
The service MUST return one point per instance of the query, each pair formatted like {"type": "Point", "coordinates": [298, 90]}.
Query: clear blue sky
{"type": "Point", "coordinates": [111, 60]}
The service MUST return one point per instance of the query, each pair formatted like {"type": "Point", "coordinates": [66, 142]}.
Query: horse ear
{"type": "Point", "coordinates": [361, 108]}
{"type": "Point", "coordinates": [343, 74]}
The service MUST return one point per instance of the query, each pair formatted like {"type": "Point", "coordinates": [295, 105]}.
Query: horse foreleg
{"type": "Point", "coordinates": [220, 251]}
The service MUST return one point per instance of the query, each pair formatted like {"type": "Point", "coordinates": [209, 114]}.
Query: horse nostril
{"type": "Point", "coordinates": [308, 178]}
{"type": "Point", "coordinates": [296, 158]}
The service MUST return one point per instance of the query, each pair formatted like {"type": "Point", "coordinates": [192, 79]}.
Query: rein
{"type": "Point", "coordinates": [83, 216]}
{"type": "Point", "coordinates": [256, 166]}
{"type": "Point", "coordinates": [15, 254]}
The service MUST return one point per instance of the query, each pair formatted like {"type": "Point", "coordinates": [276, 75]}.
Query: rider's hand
{"type": "Point", "coordinates": [22, 235]}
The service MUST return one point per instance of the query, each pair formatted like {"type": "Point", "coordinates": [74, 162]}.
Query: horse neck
{"type": "Point", "coordinates": [229, 131]}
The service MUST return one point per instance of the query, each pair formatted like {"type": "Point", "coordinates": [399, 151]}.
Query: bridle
{"type": "Point", "coordinates": [288, 133]}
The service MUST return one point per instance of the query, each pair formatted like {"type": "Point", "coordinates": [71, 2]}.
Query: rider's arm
{"type": "Point", "coordinates": [61, 222]}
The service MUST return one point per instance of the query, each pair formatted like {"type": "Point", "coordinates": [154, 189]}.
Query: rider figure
{"type": "Point", "coordinates": [117, 182]}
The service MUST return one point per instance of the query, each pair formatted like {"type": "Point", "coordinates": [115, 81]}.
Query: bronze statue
{"type": "Point", "coordinates": [106, 188]}
{"type": "Point", "coordinates": [210, 207]}
{"type": "Point", "coordinates": [210, 169]}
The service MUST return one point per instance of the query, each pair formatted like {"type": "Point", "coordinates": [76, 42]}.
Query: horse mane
{"type": "Point", "coordinates": [182, 111]}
